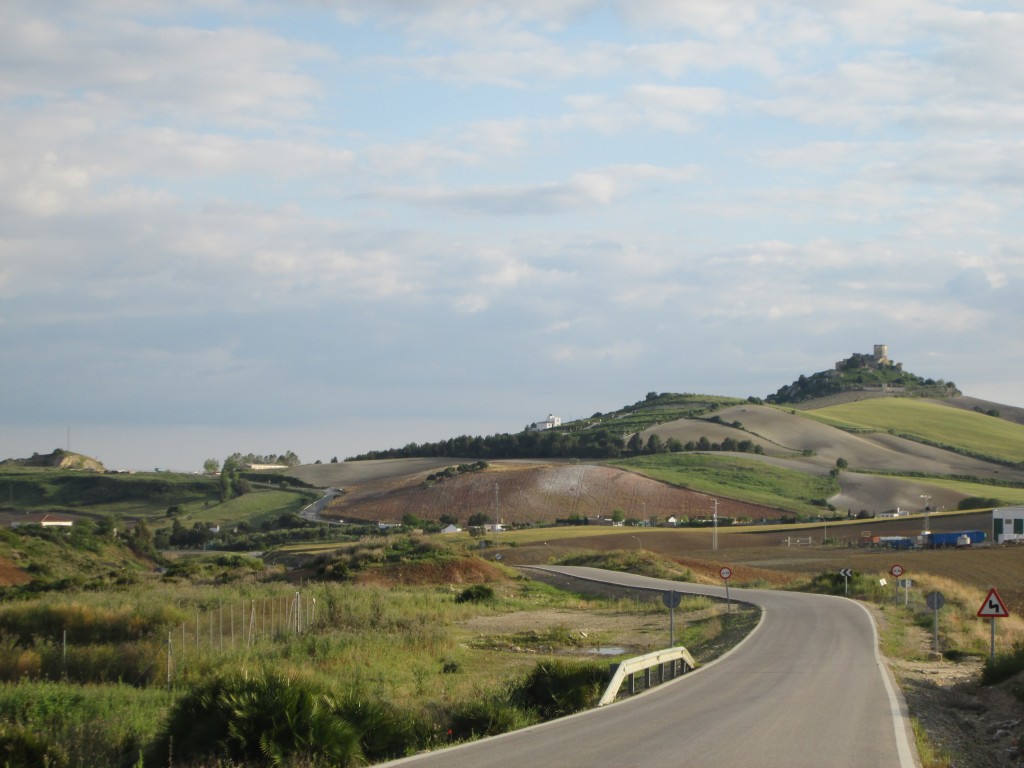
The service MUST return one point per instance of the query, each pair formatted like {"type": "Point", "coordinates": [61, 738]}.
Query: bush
{"type": "Point", "coordinates": [22, 748]}
{"type": "Point", "coordinates": [262, 719]}
{"type": "Point", "coordinates": [385, 731]}
{"type": "Point", "coordinates": [558, 688]}
{"type": "Point", "coordinates": [488, 717]}
{"type": "Point", "coordinates": [1004, 666]}
{"type": "Point", "coordinates": [478, 593]}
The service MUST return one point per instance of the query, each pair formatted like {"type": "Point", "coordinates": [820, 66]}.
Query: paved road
{"type": "Point", "coordinates": [807, 689]}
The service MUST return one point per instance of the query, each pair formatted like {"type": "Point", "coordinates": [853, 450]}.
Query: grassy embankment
{"type": "Point", "coordinates": [738, 478]}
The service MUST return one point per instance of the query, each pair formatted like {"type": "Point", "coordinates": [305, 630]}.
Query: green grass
{"type": "Point", "coordinates": [738, 478]}
{"type": "Point", "coordinates": [659, 410]}
{"type": "Point", "coordinates": [142, 494]}
{"type": "Point", "coordinates": [966, 431]}
{"type": "Point", "coordinates": [253, 508]}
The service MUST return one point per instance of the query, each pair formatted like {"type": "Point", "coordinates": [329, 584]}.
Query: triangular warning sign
{"type": "Point", "coordinates": [993, 607]}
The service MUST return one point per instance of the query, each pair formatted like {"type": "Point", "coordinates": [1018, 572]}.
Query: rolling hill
{"type": "Point", "coordinates": [874, 454]}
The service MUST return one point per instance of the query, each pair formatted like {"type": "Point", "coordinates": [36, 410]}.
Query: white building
{"type": "Point", "coordinates": [551, 422]}
{"type": "Point", "coordinates": [1008, 524]}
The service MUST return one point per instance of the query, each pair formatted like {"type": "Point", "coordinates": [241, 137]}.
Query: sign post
{"type": "Point", "coordinates": [846, 573]}
{"type": "Point", "coordinates": [726, 574]}
{"type": "Point", "coordinates": [993, 608]}
{"type": "Point", "coordinates": [671, 599]}
{"type": "Point", "coordinates": [896, 571]}
{"type": "Point", "coordinates": [935, 600]}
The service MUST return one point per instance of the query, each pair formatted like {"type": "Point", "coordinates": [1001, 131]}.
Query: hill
{"type": "Point", "coordinates": [59, 459]}
{"type": "Point", "coordinates": [875, 452]}
{"type": "Point", "coordinates": [869, 374]}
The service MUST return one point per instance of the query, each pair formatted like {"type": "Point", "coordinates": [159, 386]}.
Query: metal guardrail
{"type": "Point", "coordinates": [678, 661]}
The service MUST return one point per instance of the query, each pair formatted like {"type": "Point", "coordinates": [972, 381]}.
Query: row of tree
{"type": "Point", "coordinates": [238, 461]}
{"type": "Point", "coordinates": [588, 444]}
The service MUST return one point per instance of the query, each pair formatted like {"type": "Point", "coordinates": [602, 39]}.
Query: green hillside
{"type": "Point", "coordinates": [737, 478]}
{"type": "Point", "coordinates": [928, 422]}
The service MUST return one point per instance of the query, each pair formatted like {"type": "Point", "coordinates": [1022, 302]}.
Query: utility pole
{"type": "Point", "coordinates": [496, 507]}
{"type": "Point", "coordinates": [714, 535]}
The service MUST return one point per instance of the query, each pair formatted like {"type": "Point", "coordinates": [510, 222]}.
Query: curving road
{"type": "Point", "coordinates": [807, 689]}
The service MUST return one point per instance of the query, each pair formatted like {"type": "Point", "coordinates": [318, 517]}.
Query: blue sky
{"type": "Point", "coordinates": [330, 227]}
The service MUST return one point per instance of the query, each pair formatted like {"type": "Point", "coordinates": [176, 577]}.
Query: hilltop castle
{"type": "Point", "coordinates": [879, 358]}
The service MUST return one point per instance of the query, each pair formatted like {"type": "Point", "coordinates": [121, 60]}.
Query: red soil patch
{"type": "Point", "coordinates": [469, 570]}
{"type": "Point", "coordinates": [11, 575]}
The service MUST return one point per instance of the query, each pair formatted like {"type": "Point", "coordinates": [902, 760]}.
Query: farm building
{"type": "Point", "coordinates": [45, 520]}
{"type": "Point", "coordinates": [1008, 524]}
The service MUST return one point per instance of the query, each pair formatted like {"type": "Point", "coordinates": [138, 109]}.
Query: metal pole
{"type": "Point", "coordinates": [935, 630]}
{"type": "Point", "coordinates": [714, 535]}
{"type": "Point", "coordinates": [728, 602]}
{"type": "Point", "coordinates": [992, 653]}
{"type": "Point", "coordinates": [671, 627]}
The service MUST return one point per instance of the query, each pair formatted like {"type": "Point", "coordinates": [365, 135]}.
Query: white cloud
{"type": "Point", "coordinates": [217, 195]}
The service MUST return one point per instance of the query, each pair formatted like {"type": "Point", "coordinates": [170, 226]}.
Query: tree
{"type": "Point", "coordinates": [211, 466]}
{"type": "Point", "coordinates": [478, 519]}
{"type": "Point", "coordinates": [618, 515]}
{"type": "Point", "coordinates": [448, 519]}
{"type": "Point", "coordinates": [636, 443]}
{"type": "Point", "coordinates": [654, 444]}
{"type": "Point", "coordinates": [841, 463]}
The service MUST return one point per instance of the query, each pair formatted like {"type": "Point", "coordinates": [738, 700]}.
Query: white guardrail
{"type": "Point", "coordinates": [678, 661]}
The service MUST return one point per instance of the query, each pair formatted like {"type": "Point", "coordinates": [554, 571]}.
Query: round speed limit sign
{"type": "Point", "coordinates": [896, 571]}
{"type": "Point", "coordinates": [725, 573]}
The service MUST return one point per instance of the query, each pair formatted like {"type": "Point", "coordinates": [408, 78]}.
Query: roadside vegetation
{"type": "Point", "coordinates": [372, 657]}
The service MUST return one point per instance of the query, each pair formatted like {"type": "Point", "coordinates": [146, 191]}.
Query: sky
{"type": "Point", "coordinates": [333, 226]}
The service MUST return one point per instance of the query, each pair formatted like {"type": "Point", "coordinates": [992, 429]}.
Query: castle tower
{"type": "Point", "coordinates": [881, 353]}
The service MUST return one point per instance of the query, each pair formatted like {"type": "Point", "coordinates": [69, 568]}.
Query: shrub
{"type": "Point", "coordinates": [23, 748]}
{"type": "Point", "coordinates": [558, 688]}
{"type": "Point", "coordinates": [487, 717]}
{"type": "Point", "coordinates": [262, 719]}
{"type": "Point", "coordinates": [1004, 666]}
{"type": "Point", "coordinates": [384, 730]}
{"type": "Point", "coordinates": [477, 593]}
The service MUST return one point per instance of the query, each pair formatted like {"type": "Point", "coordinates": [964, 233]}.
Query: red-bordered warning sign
{"type": "Point", "coordinates": [993, 607]}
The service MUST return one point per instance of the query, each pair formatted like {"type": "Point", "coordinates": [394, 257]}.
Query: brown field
{"type": "Point", "coordinates": [530, 492]}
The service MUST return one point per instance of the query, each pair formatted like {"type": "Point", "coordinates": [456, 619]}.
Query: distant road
{"type": "Point", "coordinates": [312, 512]}
{"type": "Point", "coordinates": [807, 689]}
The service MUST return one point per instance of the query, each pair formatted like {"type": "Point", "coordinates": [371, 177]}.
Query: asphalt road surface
{"type": "Point", "coordinates": [808, 688]}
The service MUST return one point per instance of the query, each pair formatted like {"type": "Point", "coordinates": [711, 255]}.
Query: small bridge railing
{"type": "Point", "coordinates": [654, 668]}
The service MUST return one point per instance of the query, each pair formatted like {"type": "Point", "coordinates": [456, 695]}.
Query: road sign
{"type": "Point", "coordinates": [846, 573]}
{"type": "Point", "coordinates": [671, 599]}
{"type": "Point", "coordinates": [726, 572]}
{"type": "Point", "coordinates": [993, 607]}
{"type": "Point", "coordinates": [896, 571]}
{"type": "Point", "coordinates": [906, 583]}
{"type": "Point", "coordinates": [935, 600]}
